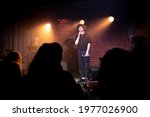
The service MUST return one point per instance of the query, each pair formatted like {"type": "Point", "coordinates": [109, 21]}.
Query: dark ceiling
{"type": "Point", "coordinates": [124, 10]}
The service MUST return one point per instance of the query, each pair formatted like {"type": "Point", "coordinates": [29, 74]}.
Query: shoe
{"type": "Point", "coordinates": [81, 80]}
{"type": "Point", "coordinates": [84, 78]}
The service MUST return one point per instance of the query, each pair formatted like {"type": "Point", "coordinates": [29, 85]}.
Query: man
{"type": "Point", "coordinates": [83, 42]}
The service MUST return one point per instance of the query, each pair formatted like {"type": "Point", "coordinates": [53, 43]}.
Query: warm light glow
{"type": "Point", "coordinates": [48, 26]}
{"type": "Point", "coordinates": [45, 33]}
{"type": "Point", "coordinates": [111, 19]}
{"type": "Point", "coordinates": [82, 22]}
{"type": "Point", "coordinates": [99, 27]}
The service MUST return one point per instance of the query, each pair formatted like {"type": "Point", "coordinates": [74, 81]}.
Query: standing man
{"type": "Point", "coordinates": [83, 42]}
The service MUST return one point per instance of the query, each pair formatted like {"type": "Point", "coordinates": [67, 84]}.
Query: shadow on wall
{"type": "Point", "coordinates": [70, 56]}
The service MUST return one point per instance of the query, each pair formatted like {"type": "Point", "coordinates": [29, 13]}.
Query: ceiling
{"type": "Point", "coordinates": [125, 10]}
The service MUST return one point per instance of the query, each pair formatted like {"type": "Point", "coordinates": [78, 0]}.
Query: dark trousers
{"type": "Point", "coordinates": [84, 63]}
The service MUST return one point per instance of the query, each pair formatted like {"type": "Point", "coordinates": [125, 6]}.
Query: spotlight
{"type": "Point", "coordinates": [111, 18]}
{"type": "Point", "coordinates": [48, 26]}
{"type": "Point", "coordinates": [82, 22]}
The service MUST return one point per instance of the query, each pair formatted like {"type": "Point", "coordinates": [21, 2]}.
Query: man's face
{"type": "Point", "coordinates": [81, 29]}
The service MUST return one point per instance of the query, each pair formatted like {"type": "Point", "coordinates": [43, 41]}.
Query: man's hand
{"type": "Point", "coordinates": [79, 33]}
{"type": "Point", "coordinates": [87, 54]}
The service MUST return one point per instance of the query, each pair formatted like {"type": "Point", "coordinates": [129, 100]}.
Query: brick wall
{"type": "Point", "coordinates": [116, 36]}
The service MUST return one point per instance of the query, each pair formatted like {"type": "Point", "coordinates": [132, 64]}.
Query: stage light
{"type": "Point", "coordinates": [111, 18]}
{"type": "Point", "coordinates": [48, 26]}
{"type": "Point", "coordinates": [82, 22]}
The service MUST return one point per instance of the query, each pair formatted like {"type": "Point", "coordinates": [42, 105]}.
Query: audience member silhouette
{"type": "Point", "coordinates": [12, 66]}
{"type": "Point", "coordinates": [140, 66]}
{"type": "Point", "coordinates": [46, 78]}
{"type": "Point", "coordinates": [11, 73]}
{"type": "Point", "coordinates": [114, 73]}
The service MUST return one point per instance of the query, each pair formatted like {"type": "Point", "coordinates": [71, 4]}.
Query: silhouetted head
{"type": "Point", "coordinates": [47, 60]}
{"type": "Point", "coordinates": [114, 63]}
{"type": "Point", "coordinates": [115, 56]}
{"type": "Point", "coordinates": [49, 53]}
{"type": "Point", "coordinates": [13, 57]}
